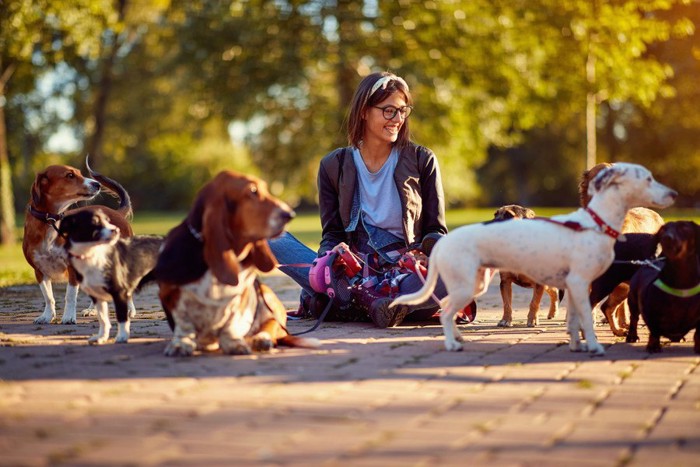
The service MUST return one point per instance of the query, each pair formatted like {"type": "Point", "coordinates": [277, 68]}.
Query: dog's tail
{"type": "Point", "coordinates": [301, 342]}
{"type": "Point", "coordinates": [114, 187]}
{"type": "Point", "coordinates": [424, 293]}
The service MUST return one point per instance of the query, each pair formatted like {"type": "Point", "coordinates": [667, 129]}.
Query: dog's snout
{"type": "Point", "coordinates": [288, 215]}
{"type": "Point", "coordinates": [93, 185]}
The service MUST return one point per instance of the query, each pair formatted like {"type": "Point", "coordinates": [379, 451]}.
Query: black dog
{"type": "Point", "coordinates": [629, 257]}
{"type": "Point", "coordinates": [669, 299]}
{"type": "Point", "coordinates": [109, 268]}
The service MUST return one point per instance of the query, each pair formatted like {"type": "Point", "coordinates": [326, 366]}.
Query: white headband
{"type": "Point", "coordinates": [384, 81]}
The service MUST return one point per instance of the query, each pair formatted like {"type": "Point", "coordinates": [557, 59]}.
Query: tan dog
{"type": "Point", "coordinates": [54, 190]}
{"type": "Point", "coordinates": [637, 220]}
{"type": "Point", "coordinates": [207, 271]}
{"type": "Point", "coordinates": [514, 211]}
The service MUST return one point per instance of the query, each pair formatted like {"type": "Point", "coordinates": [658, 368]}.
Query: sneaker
{"type": "Point", "coordinates": [384, 316]}
{"type": "Point", "coordinates": [464, 316]}
{"type": "Point", "coordinates": [467, 314]}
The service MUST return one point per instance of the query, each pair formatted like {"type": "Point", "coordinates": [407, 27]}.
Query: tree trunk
{"type": "Point", "coordinates": [7, 203]}
{"type": "Point", "coordinates": [591, 97]}
{"type": "Point", "coordinates": [104, 88]}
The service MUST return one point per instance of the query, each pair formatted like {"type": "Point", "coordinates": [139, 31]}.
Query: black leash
{"type": "Point", "coordinates": [319, 321]}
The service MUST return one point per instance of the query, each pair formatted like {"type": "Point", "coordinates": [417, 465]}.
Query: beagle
{"type": "Point", "coordinates": [54, 190]}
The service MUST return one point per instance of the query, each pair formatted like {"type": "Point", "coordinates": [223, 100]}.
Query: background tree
{"type": "Point", "coordinates": [34, 36]}
{"type": "Point", "coordinates": [172, 91]}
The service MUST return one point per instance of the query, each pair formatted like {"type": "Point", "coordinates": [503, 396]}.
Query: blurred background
{"type": "Point", "coordinates": [516, 97]}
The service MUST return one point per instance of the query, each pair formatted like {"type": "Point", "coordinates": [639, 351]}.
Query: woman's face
{"type": "Point", "coordinates": [378, 128]}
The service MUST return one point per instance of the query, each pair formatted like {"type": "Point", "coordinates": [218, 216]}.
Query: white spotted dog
{"type": "Point", "coordinates": [108, 267]}
{"type": "Point", "coordinates": [567, 251]}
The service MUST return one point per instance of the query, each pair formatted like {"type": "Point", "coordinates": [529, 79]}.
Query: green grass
{"type": "Point", "coordinates": [306, 227]}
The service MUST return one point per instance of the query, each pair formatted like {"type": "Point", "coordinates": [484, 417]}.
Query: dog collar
{"type": "Point", "coordinates": [46, 217]}
{"type": "Point", "coordinates": [81, 257]}
{"type": "Point", "coordinates": [605, 228]}
{"type": "Point", "coordinates": [194, 232]}
{"type": "Point", "coordinates": [682, 293]}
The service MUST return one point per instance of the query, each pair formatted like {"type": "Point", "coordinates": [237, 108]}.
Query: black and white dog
{"type": "Point", "coordinates": [109, 268]}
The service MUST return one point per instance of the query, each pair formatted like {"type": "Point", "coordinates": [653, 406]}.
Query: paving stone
{"type": "Point", "coordinates": [514, 397]}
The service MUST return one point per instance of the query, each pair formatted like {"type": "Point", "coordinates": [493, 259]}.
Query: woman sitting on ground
{"type": "Point", "coordinates": [381, 197]}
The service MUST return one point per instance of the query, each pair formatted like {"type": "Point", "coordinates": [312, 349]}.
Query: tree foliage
{"type": "Point", "coordinates": [262, 86]}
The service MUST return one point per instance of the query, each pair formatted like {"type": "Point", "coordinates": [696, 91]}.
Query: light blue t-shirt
{"type": "Point", "coordinates": [379, 197]}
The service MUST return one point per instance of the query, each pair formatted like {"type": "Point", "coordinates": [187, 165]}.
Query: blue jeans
{"type": "Point", "coordinates": [290, 251]}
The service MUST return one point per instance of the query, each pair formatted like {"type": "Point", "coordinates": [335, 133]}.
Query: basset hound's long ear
{"type": "Point", "coordinates": [36, 188]}
{"type": "Point", "coordinates": [218, 252]}
{"type": "Point", "coordinates": [263, 257]}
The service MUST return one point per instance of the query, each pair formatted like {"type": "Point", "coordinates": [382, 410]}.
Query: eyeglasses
{"type": "Point", "coordinates": [389, 112]}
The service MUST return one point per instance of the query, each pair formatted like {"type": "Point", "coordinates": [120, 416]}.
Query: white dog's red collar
{"type": "Point", "coordinates": [605, 228]}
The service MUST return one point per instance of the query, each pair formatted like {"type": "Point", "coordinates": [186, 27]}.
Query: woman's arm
{"type": "Point", "coordinates": [333, 231]}
{"type": "Point", "coordinates": [433, 195]}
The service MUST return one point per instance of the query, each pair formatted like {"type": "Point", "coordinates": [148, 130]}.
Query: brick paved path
{"type": "Point", "coordinates": [367, 397]}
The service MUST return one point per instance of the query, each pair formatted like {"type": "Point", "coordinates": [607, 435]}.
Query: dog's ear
{"type": "Point", "coordinates": [218, 252]}
{"type": "Point", "coordinates": [65, 226]}
{"type": "Point", "coordinates": [40, 180]}
{"type": "Point", "coordinates": [263, 257]}
{"type": "Point", "coordinates": [528, 213]}
{"type": "Point", "coordinates": [605, 179]}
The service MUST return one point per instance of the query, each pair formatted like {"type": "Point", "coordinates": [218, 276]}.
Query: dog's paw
{"type": "Point", "coordinates": [234, 347]}
{"type": "Point", "coordinates": [97, 339]}
{"type": "Point", "coordinates": [504, 323]}
{"type": "Point", "coordinates": [533, 323]}
{"type": "Point", "coordinates": [654, 345]}
{"type": "Point", "coordinates": [44, 319]}
{"type": "Point", "coordinates": [68, 320]}
{"type": "Point", "coordinates": [453, 346]}
{"type": "Point", "coordinates": [121, 339]}
{"type": "Point", "coordinates": [577, 346]}
{"type": "Point", "coordinates": [88, 312]}
{"type": "Point", "coordinates": [596, 349]}
{"type": "Point", "coordinates": [179, 348]}
{"type": "Point", "coordinates": [632, 338]}
{"type": "Point", "coordinates": [262, 342]}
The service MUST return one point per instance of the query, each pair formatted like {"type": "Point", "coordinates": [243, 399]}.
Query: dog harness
{"type": "Point", "coordinates": [682, 293]}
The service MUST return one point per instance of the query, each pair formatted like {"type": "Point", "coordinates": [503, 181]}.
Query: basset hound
{"type": "Point", "coordinates": [208, 268]}
{"type": "Point", "coordinates": [54, 190]}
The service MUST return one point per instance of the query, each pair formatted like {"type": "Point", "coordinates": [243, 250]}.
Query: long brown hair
{"type": "Point", "coordinates": [364, 98]}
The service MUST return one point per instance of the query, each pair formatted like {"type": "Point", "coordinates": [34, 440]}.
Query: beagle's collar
{"type": "Point", "coordinates": [682, 293]}
{"type": "Point", "coordinates": [46, 217]}
{"type": "Point", "coordinates": [605, 228]}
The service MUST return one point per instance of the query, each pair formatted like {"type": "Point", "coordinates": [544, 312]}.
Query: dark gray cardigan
{"type": "Point", "coordinates": [418, 181]}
